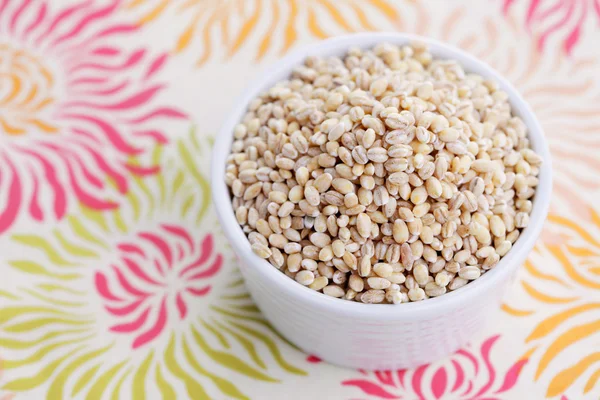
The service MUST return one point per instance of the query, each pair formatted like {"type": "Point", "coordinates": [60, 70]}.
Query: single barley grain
{"type": "Point", "coordinates": [261, 250]}
{"type": "Point", "coordinates": [373, 296]}
{"type": "Point", "coordinates": [333, 291]}
{"type": "Point", "coordinates": [416, 294]}
{"type": "Point", "coordinates": [305, 277]}
{"type": "Point", "coordinates": [383, 270]}
{"type": "Point", "coordinates": [432, 289]}
{"type": "Point", "coordinates": [469, 273]}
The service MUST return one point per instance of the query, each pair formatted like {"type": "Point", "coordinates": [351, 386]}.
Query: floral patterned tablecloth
{"type": "Point", "coordinates": [115, 279]}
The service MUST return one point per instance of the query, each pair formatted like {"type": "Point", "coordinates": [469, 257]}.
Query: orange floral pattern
{"type": "Point", "coordinates": [561, 283]}
{"type": "Point", "coordinates": [26, 92]}
{"type": "Point", "coordinates": [231, 24]}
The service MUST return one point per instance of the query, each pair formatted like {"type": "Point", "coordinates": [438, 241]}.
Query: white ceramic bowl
{"type": "Point", "coordinates": [375, 336]}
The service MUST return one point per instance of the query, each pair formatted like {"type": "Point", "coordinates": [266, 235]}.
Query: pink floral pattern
{"type": "Point", "coordinates": [466, 375]}
{"type": "Point", "coordinates": [565, 18]}
{"type": "Point", "coordinates": [313, 359]}
{"type": "Point", "coordinates": [154, 278]}
{"type": "Point", "coordinates": [76, 108]}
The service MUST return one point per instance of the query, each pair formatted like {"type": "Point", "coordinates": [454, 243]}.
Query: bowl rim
{"type": "Point", "coordinates": [338, 46]}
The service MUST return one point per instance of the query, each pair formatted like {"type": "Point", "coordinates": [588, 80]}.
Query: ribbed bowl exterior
{"type": "Point", "coordinates": [372, 343]}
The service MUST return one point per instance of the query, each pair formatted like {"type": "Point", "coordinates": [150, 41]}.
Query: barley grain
{"type": "Point", "coordinates": [469, 273]}
{"type": "Point", "coordinates": [305, 277]}
{"type": "Point", "coordinates": [261, 250]}
{"type": "Point", "coordinates": [320, 283]}
{"type": "Point", "coordinates": [400, 231]}
{"type": "Point", "coordinates": [432, 289]}
{"type": "Point", "coordinates": [373, 296]}
{"type": "Point", "coordinates": [333, 291]}
{"type": "Point", "coordinates": [416, 294]}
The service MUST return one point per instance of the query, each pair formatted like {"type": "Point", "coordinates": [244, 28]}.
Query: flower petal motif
{"type": "Point", "coordinates": [115, 303]}
{"type": "Point", "coordinates": [230, 24]}
{"type": "Point", "coordinates": [563, 341]}
{"type": "Point", "coordinates": [69, 94]}
{"type": "Point", "coordinates": [557, 17]}
{"type": "Point", "coordinates": [4, 396]}
{"type": "Point", "coordinates": [468, 374]}
{"type": "Point", "coordinates": [541, 77]}
{"type": "Point", "coordinates": [173, 271]}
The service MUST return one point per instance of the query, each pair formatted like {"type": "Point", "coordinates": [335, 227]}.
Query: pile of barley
{"type": "Point", "coordinates": [385, 176]}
